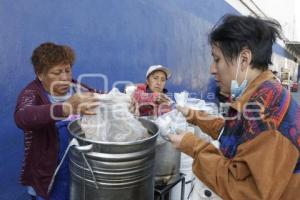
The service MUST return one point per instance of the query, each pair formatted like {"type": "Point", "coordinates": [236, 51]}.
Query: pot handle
{"type": "Point", "coordinates": [85, 148]}
{"type": "Point", "coordinates": [82, 149]}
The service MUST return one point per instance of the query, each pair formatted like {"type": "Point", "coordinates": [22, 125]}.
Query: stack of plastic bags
{"type": "Point", "coordinates": [169, 123]}
{"type": "Point", "coordinates": [183, 100]}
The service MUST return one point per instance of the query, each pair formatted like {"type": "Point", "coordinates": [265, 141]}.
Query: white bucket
{"type": "Point", "coordinates": [186, 162]}
{"type": "Point", "coordinates": [176, 191]}
{"type": "Point", "coordinates": [202, 192]}
{"type": "Point", "coordinates": [185, 168]}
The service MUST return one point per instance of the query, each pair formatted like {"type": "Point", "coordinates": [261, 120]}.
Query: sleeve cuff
{"type": "Point", "coordinates": [190, 116]}
{"type": "Point", "coordinates": [188, 144]}
{"type": "Point", "coordinates": [57, 111]}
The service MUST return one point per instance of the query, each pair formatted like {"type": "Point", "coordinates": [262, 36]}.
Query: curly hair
{"type": "Point", "coordinates": [48, 55]}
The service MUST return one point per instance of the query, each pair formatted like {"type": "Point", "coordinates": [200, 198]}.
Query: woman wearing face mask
{"type": "Point", "coordinates": [52, 96]}
{"type": "Point", "coordinates": [259, 138]}
{"type": "Point", "coordinates": [151, 97]}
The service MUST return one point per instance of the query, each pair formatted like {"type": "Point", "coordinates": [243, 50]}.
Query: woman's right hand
{"type": "Point", "coordinates": [81, 103]}
{"type": "Point", "coordinates": [163, 99]}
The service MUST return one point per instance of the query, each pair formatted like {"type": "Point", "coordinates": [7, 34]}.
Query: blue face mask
{"type": "Point", "coordinates": [59, 99]}
{"type": "Point", "coordinates": [236, 89]}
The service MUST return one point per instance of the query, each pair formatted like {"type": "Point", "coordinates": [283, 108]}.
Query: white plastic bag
{"type": "Point", "coordinates": [130, 89]}
{"type": "Point", "coordinates": [181, 98]}
{"type": "Point", "coordinates": [113, 121]}
{"type": "Point", "coordinates": [169, 123]}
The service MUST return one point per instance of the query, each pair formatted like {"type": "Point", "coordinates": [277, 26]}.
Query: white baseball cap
{"type": "Point", "coordinates": [158, 68]}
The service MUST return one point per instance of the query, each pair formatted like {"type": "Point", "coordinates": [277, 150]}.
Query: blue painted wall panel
{"type": "Point", "coordinates": [118, 38]}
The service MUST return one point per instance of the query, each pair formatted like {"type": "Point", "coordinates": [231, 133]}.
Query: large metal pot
{"type": "Point", "coordinates": [110, 170]}
{"type": "Point", "coordinates": [167, 162]}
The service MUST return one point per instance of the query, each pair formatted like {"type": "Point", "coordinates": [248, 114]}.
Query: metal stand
{"type": "Point", "coordinates": [162, 191]}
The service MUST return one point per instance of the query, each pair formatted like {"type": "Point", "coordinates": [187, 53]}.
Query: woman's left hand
{"type": "Point", "coordinates": [176, 139]}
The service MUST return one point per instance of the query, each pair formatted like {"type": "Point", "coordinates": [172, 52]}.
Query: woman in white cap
{"type": "Point", "coordinates": [151, 96]}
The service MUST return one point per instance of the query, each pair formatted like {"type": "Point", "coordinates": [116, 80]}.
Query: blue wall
{"type": "Point", "coordinates": [118, 38]}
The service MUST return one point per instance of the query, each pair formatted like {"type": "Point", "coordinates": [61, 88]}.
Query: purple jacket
{"type": "Point", "coordinates": [41, 145]}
